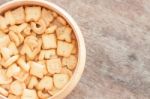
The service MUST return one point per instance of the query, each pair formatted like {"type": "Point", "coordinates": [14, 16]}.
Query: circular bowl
{"type": "Point", "coordinates": [81, 46]}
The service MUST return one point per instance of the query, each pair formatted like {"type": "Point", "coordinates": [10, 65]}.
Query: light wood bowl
{"type": "Point", "coordinates": [81, 46]}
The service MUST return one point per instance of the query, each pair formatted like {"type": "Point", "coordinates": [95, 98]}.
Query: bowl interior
{"type": "Point", "coordinates": [81, 46]}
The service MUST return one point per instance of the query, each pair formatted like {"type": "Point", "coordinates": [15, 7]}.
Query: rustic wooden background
{"type": "Point", "coordinates": [117, 36]}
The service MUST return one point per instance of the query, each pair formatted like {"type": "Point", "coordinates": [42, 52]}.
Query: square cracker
{"type": "Point", "coordinates": [37, 69]}
{"type": "Point", "coordinates": [64, 48]}
{"type": "Point", "coordinates": [54, 65]}
{"type": "Point", "coordinates": [19, 15]}
{"type": "Point", "coordinates": [64, 33]}
{"type": "Point", "coordinates": [49, 41]}
{"type": "Point", "coordinates": [32, 13]}
{"type": "Point", "coordinates": [29, 94]}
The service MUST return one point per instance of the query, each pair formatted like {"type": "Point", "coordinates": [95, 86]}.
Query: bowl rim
{"type": "Point", "coordinates": [80, 40]}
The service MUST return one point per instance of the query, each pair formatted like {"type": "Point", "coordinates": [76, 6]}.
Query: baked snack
{"type": "Point", "coordinates": [38, 53]}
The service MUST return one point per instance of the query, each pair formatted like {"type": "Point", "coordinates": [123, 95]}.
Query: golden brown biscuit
{"type": "Point", "coordinates": [32, 13]}
{"type": "Point", "coordinates": [47, 16]}
{"type": "Point", "coordinates": [46, 83]}
{"type": "Point", "coordinates": [29, 94]}
{"type": "Point", "coordinates": [60, 80]}
{"type": "Point", "coordinates": [6, 53]}
{"type": "Point", "coordinates": [70, 62]}
{"type": "Point", "coordinates": [9, 18]}
{"type": "Point", "coordinates": [4, 40]}
{"type": "Point", "coordinates": [37, 69]}
{"type": "Point", "coordinates": [64, 48]}
{"type": "Point", "coordinates": [22, 76]}
{"type": "Point", "coordinates": [64, 33]}
{"type": "Point", "coordinates": [54, 65]}
{"type": "Point", "coordinates": [13, 70]}
{"type": "Point", "coordinates": [33, 82]}
{"type": "Point", "coordinates": [10, 61]}
{"type": "Point", "coordinates": [51, 29]}
{"type": "Point", "coordinates": [49, 41]}
{"type": "Point", "coordinates": [3, 77]}
{"type": "Point", "coordinates": [19, 15]}
{"type": "Point", "coordinates": [38, 27]}
{"type": "Point", "coordinates": [17, 87]}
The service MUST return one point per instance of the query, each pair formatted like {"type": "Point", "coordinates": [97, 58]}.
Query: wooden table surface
{"type": "Point", "coordinates": [117, 36]}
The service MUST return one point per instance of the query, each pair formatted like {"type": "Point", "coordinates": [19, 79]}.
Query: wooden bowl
{"type": "Point", "coordinates": [81, 46]}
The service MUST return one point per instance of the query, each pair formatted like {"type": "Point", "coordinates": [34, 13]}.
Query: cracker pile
{"type": "Point", "coordinates": [38, 53]}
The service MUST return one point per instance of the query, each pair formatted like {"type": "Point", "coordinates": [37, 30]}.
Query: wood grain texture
{"type": "Point", "coordinates": [117, 36]}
